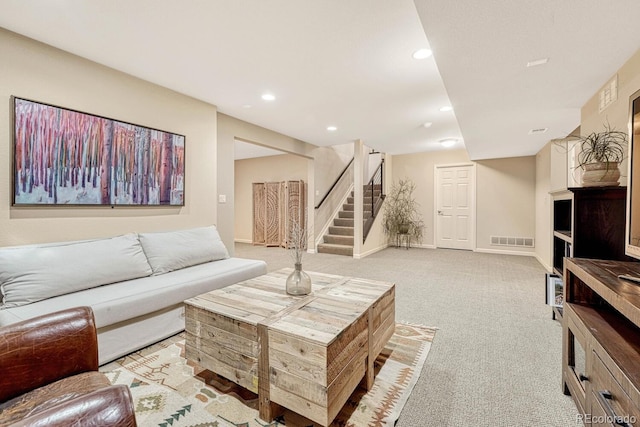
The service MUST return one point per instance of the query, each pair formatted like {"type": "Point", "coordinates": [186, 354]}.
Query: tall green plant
{"type": "Point", "coordinates": [401, 212]}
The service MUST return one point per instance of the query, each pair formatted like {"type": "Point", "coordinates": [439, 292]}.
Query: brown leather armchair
{"type": "Point", "coordinates": [49, 375]}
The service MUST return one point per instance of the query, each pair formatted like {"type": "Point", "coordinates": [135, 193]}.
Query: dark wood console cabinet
{"type": "Point", "coordinates": [588, 222]}
{"type": "Point", "coordinates": [601, 341]}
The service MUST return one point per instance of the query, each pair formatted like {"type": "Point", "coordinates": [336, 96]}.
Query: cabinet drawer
{"type": "Point", "coordinates": [611, 398]}
{"type": "Point", "coordinates": [598, 416]}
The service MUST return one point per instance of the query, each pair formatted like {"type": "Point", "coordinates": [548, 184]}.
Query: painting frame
{"type": "Point", "coordinates": [554, 290]}
{"type": "Point", "coordinates": [65, 157]}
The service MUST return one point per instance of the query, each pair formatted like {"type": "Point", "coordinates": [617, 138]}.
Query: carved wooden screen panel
{"type": "Point", "coordinates": [259, 213]}
{"type": "Point", "coordinates": [273, 214]}
{"type": "Point", "coordinates": [283, 214]}
{"type": "Point", "coordinates": [276, 205]}
{"type": "Point", "coordinates": [296, 201]}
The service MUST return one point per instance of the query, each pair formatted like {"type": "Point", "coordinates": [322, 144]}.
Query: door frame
{"type": "Point", "coordinates": [473, 227]}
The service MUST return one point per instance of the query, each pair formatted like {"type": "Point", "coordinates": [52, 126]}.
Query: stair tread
{"type": "Point", "coordinates": [335, 249]}
{"type": "Point", "coordinates": [334, 245]}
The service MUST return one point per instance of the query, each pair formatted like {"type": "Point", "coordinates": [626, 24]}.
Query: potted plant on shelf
{"type": "Point", "coordinates": [401, 216]}
{"type": "Point", "coordinates": [600, 156]}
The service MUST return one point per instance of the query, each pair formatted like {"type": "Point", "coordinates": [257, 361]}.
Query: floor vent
{"type": "Point", "coordinates": [524, 242]}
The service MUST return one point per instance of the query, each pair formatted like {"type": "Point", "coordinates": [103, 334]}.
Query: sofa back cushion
{"type": "Point", "coordinates": [33, 273]}
{"type": "Point", "coordinates": [174, 250]}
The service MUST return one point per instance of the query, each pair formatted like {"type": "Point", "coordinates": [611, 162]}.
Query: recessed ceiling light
{"type": "Point", "coordinates": [446, 108]}
{"type": "Point", "coordinates": [537, 62]}
{"type": "Point", "coordinates": [449, 142]}
{"type": "Point", "coordinates": [268, 96]}
{"type": "Point", "coordinates": [427, 124]}
{"type": "Point", "coordinates": [422, 53]}
{"type": "Point", "coordinates": [332, 128]}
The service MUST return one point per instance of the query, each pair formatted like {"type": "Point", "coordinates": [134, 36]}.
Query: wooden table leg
{"type": "Point", "coordinates": [371, 358]}
{"type": "Point", "coordinates": [266, 408]}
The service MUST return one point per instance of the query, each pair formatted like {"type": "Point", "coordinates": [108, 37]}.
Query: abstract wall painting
{"type": "Point", "coordinates": [65, 157]}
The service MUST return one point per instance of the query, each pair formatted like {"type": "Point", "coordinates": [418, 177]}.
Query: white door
{"type": "Point", "coordinates": [455, 207]}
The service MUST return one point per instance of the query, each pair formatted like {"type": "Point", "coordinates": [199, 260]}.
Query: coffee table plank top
{"type": "Point", "coordinates": [257, 299]}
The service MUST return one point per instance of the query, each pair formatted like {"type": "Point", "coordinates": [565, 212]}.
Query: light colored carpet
{"type": "Point", "coordinates": [169, 390]}
{"type": "Point", "coordinates": [496, 359]}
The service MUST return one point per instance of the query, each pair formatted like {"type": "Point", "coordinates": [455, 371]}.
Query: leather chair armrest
{"type": "Point", "coordinates": [46, 348]}
{"type": "Point", "coordinates": [110, 406]}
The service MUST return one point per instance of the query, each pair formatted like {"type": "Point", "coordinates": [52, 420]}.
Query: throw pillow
{"type": "Point", "coordinates": [173, 250]}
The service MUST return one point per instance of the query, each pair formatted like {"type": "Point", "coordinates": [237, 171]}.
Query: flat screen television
{"type": "Point", "coordinates": [632, 247]}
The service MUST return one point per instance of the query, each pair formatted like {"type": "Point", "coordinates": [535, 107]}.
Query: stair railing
{"type": "Point", "coordinates": [376, 181]}
{"type": "Point", "coordinates": [346, 168]}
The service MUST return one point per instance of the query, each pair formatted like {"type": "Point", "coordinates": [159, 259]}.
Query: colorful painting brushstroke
{"type": "Point", "coordinates": [64, 157]}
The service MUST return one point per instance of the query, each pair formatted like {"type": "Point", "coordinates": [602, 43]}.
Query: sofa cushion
{"type": "Point", "coordinates": [33, 273]}
{"type": "Point", "coordinates": [174, 250]}
{"type": "Point", "coordinates": [120, 302]}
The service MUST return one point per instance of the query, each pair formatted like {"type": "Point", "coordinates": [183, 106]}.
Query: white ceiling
{"type": "Point", "coordinates": [349, 64]}
{"type": "Point", "coordinates": [482, 48]}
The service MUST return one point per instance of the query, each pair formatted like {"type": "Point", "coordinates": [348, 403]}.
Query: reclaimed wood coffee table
{"type": "Point", "coordinates": [307, 354]}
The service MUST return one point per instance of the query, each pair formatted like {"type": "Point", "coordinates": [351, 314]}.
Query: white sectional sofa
{"type": "Point", "coordinates": [135, 283]}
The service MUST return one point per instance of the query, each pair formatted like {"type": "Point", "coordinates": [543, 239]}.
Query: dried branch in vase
{"type": "Point", "coordinates": [297, 242]}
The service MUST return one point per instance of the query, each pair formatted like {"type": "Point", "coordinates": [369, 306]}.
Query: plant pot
{"type": "Point", "coordinates": [601, 174]}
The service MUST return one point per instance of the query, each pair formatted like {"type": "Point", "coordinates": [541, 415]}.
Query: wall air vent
{"type": "Point", "coordinates": [521, 242]}
{"type": "Point", "coordinates": [608, 94]}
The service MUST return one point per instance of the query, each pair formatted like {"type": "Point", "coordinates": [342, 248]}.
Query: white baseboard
{"type": "Point", "coordinates": [423, 246]}
{"type": "Point", "coordinates": [544, 264]}
{"type": "Point", "coordinates": [504, 252]}
{"type": "Point", "coordinates": [369, 252]}
{"type": "Point", "coordinates": [242, 241]}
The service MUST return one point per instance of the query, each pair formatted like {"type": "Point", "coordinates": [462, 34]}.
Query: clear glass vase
{"type": "Point", "coordinates": [298, 282]}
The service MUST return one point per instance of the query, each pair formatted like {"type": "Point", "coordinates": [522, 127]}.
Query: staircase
{"type": "Point", "coordinates": [339, 239]}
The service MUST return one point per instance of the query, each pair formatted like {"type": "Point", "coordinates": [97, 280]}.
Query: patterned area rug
{"type": "Point", "coordinates": [169, 390]}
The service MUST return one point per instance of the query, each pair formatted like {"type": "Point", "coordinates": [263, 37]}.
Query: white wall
{"type": "Point", "coordinates": [419, 167]}
{"type": "Point", "coordinates": [329, 163]}
{"type": "Point", "coordinates": [230, 129]}
{"type": "Point", "coordinates": [543, 205]}
{"type": "Point", "coordinates": [505, 195]}
{"type": "Point", "coordinates": [616, 114]}
{"type": "Point", "coordinates": [39, 72]}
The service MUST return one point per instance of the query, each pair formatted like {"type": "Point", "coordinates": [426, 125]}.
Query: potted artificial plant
{"type": "Point", "coordinates": [600, 156]}
{"type": "Point", "coordinates": [401, 215]}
